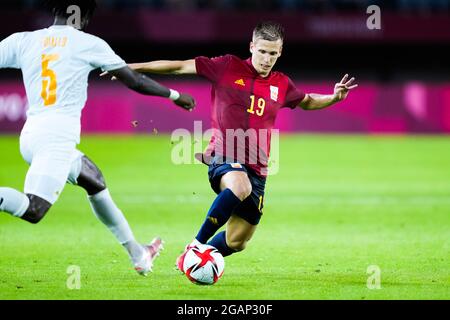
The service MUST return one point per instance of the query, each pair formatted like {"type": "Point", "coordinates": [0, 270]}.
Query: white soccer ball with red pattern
{"type": "Point", "coordinates": [203, 264]}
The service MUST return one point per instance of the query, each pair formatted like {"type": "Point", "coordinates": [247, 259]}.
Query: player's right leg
{"type": "Point", "coordinates": [49, 159]}
{"type": "Point", "coordinates": [28, 207]}
{"type": "Point", "coordinates": [230, 181]}
{"type": "Point", "coordinates": [245, 218]}
{"type": "Point", "coordinates": [243, 223]}
{"type": "Point", "coordinates": [87, 175]}
{"type": "Point", "coordinates": [234, 188]}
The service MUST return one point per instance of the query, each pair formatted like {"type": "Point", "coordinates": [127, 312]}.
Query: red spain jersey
{"type": "Point", "coordinates": [244, 108]}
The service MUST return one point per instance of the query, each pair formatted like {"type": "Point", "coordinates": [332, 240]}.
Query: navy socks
{"type": "Point", "coordinates": [220, 243]}
{"type": "Point", "coordinates": [218, 214]}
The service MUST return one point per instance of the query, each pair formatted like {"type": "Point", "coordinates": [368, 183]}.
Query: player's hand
{"type": "Point", "coordinates": [185, 101]}
{"type": "Point", "coordinates": [342, 88]}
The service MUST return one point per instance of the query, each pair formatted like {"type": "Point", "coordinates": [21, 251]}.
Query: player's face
{"type": "Point", "coordinates": [265, 54]}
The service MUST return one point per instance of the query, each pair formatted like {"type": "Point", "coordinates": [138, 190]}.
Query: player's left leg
{"type": "Point", "coordinates": [87, 175]}
{"type": "Point", "coordinates": [245, 218]}
{"type": "Point", "coordinates": [235, 187]}
{"type": "Point", "coordinates": [238, 233]}
{"type": "Point", "coordinates": [232, 185]}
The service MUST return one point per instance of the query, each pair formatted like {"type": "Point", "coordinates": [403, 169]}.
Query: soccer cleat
{"type": "Point", "coordinates": [152, 251]}
{"type": "Point", "coordinates": [180, 259]}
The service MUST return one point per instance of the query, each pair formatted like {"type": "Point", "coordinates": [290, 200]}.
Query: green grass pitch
{"type": "Point", "coordinates": [338, 205]}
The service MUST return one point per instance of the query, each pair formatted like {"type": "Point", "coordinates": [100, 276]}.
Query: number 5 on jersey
{"type": "Point", "coordinates": [49, 85]}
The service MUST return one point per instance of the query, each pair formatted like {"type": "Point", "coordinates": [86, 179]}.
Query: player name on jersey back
{"type": "Point", "coordinates": [54, 42]}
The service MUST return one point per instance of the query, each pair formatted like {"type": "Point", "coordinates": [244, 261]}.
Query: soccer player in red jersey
{"type": "Point", "coordinates": [246, 97]}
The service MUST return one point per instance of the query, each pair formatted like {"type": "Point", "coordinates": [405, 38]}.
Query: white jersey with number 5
{"type": "Point", "coordinates": [55, 64]}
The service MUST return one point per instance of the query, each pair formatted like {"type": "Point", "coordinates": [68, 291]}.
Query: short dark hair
{"type": "Point", "coordinates": [269, 30]}
{"type": "Point", "coordinates": [59, 7]}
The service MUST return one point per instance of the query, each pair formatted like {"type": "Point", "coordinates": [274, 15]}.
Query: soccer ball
{"type": "Point", "coordinates": [203, 264]}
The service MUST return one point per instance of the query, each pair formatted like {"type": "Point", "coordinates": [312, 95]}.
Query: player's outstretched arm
{"type": "Point", "coordinates": [144, 85]}
{"type": "Point", "coordinates": [314, 101]}
{"type": "Point", "coordinates": [166, 67]}
{"type": "Point", "coordinates": [163, 67]}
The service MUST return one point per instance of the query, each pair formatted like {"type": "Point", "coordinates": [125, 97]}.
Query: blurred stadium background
{"type": "Point", "coordinates": [340, 203]}
{"type": "Point", "coordinates": [402, 68]}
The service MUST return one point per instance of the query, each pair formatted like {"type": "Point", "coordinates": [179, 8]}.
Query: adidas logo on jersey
{"type": "Point", "coordinates": [240, 82]}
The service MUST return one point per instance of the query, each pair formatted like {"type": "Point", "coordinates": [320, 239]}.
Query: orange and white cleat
{"type": "Point", "coordinates": [152, 251]}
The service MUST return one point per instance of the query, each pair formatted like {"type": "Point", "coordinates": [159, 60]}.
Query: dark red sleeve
{"type": "Point", "coordinates": [212, 68]}
{"type": "Point", "coordinates": [293, 96]}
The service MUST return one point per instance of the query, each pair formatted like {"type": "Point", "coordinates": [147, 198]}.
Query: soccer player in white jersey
{"type": "Point", "coordinates": [55, 64]}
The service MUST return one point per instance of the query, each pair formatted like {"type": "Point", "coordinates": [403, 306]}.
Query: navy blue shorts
{"type": "Point", "coordinates": [251, 208]}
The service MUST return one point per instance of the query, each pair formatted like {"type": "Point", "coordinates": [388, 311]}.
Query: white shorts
{"type": "Point", "coordinates": [53, 161]}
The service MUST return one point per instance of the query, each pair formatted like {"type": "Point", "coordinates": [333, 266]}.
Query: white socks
{"type": "Point", "coordinates": [135, 250]}
{"type": "Point", "coordinates": [107, 212]}
{"type": "Point", "coordinates": [13, 202]}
